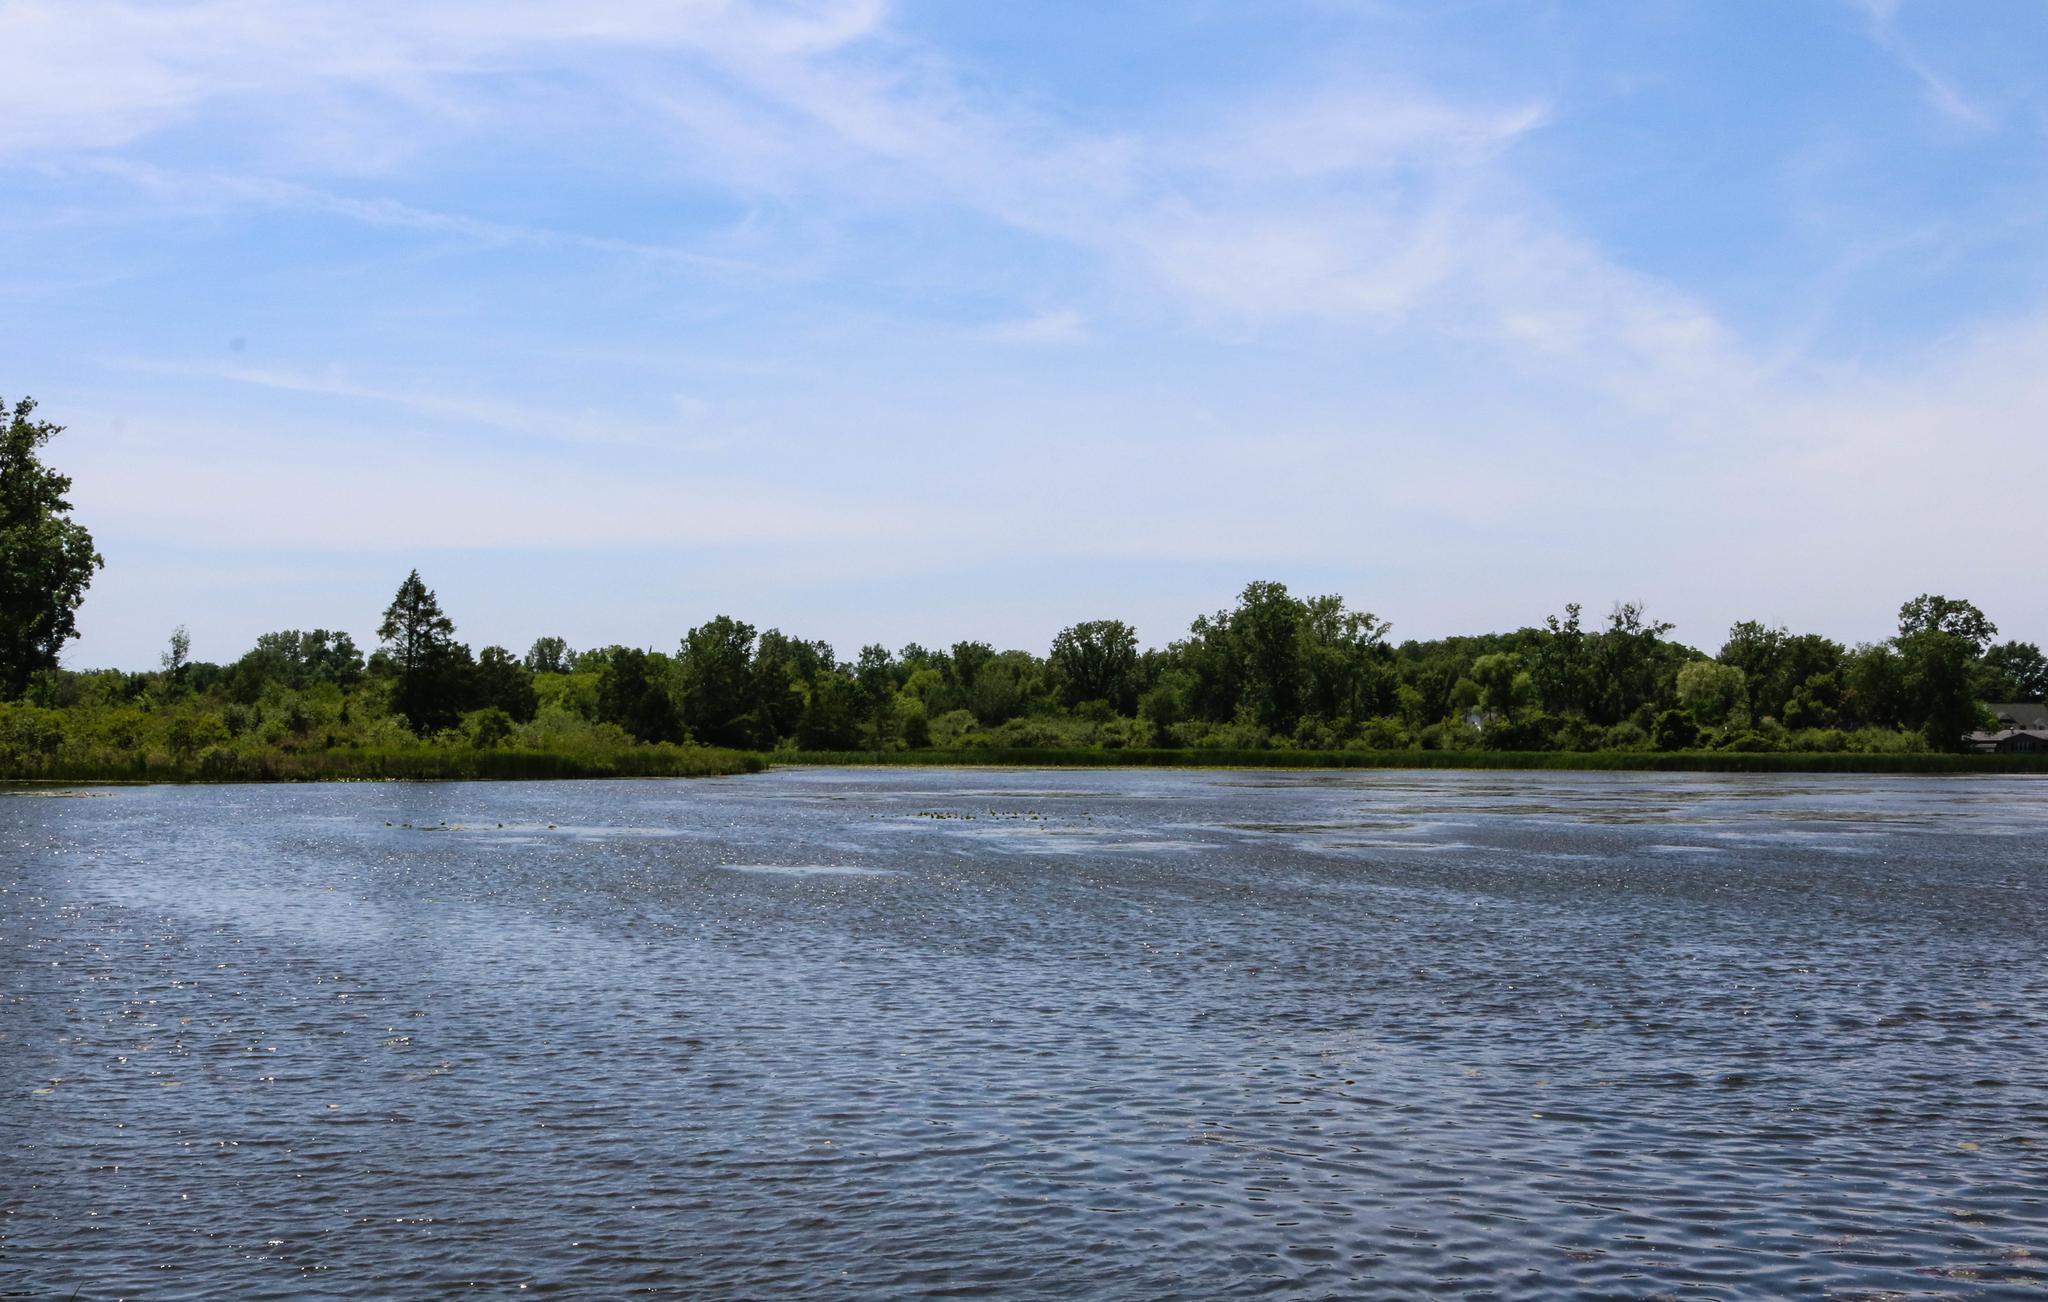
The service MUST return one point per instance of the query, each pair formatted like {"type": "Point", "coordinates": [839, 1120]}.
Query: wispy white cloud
{"type": "Point", "coordinates": [1940, 92]}
{"type": "Point", "coordinates": [97, 73]}
{"type": "Point", "coordinates": [1057, 327]}
{"type": "Point", "coordinates": [1362, 204]}
{"type": "Point", "coordinates": [191, 191]}
{"type": "Point", "coordinates": [690, 429]}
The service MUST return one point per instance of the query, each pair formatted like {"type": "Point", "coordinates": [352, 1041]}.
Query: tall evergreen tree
{"type": "Point", "coordinates": [420, 641]}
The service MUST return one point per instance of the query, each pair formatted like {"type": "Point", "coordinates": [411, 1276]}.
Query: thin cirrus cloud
{"type": "Point", "coordinates": [1057, 327]}
{"type": "Point", "coordinates": [106, 72]}
{"type": "Point", "coordinates": [1335, 204]}
{"type": "Point", "coordinates": [1941, 92]}
{"type": "Point", "coordinates": [589, 426]}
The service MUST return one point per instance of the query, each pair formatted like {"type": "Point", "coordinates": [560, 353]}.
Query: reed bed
{"type": "Point", "coordinates": [421, 764]}
{"type": "Point", "coordinates": [1606, 761]}
{"type": "Point", "coordinates": [445, 763]}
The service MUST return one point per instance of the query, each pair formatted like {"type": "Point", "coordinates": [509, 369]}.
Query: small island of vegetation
{"type": "Point", "coordinates": [1276, 679]}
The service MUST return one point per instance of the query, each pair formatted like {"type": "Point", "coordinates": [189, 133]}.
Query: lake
{"type": "Point", "coordinates": [885, 1033]}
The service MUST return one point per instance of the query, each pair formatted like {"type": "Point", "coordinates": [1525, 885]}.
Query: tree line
{"type": "Point", "coordinates": [1273, 670]}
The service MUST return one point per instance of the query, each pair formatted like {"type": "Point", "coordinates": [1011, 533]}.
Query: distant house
{"type": "Point", "coordinates": [2022, 729]}
{"type": "Point", "coordinates": [2023, 715]}
{"type": "Point", "coordinates": [2010, 741]}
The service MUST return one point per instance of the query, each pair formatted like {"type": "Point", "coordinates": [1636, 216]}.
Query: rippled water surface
{"type": "Point", "coordinates": [902, 1033]}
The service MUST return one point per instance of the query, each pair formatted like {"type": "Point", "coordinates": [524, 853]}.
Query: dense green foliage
{"type": "Point", "coordinates": [46, 557]}
{"type": "Point", "coordinates": [1273, 679]}
{"type": "Point", "coordinates": [305, 704]}
{"type": "Point", "coordinates": [1279, 672]}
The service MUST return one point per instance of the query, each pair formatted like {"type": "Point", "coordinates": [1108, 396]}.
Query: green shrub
{"type": "Point", "coordinates": [1675, 730]}
{"type": "Point", "coordinates": [957, 730]}
{"type": "Point", "coordinates": [489, 728]}
{"type": "Point", "coordinates": [1384, 733]}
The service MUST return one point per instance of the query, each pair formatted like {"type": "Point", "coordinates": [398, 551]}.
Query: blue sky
{"type": "Point", "coordinates": [937, 319]}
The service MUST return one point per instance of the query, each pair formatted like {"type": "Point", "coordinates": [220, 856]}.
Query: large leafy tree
{"type": "Point", "coordinates": [717, 661]}
{"type": "Point", "coordinates": [2014, 671]}
{"type": "Point", "coordinates": [1562, 665]}
{"type": "Point", "coordinates": [1931, 613]}
{"type": "Point", "coordinates": [1267, 629]}
{"type": "Point", "coordinates": [1873, 687]}
{"type": "Point", "coordinates": [46, 558]}
{"type": "Point", "coordinates": [419, 641]}
{"type": "Point", "coordinates": [1098, 661]}
{"type": "Point", "coordinates": [832, 719]}
{"type": "Point", "coordinates": [1503, 685]}
{"type": "Point", "coordinates": [1714, 693]}
{"type": "Point", "coordinates": [1347, 670]}
{"type": "Point", "coordinates": [874, 674]}
{"type": "Point", "coordinates": [1939, 642]}
{"type": "Point", "coordinates": [635, 690]}
{"type": "Point", "coordinates": [501, 681]}
{"type": "Point", "coordinates": [299, 659]}
{"type": "Point", "coordinates": [550, 655]}
{"type": "Point", "coordinates": [966, 661]}
{"type": "Point", "coordinates": [786, 670]}
{"type": "Point", "coordinates": [1633, 657]}
{"type": "Point", "coordinates": [1779, 668]}
{"type": "Point", "coordinates": [1006, 685]}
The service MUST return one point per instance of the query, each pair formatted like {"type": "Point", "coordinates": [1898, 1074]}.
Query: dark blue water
{"type": "Point", "coordinates": [1121, 1034]}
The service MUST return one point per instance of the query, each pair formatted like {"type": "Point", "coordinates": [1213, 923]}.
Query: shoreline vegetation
{"type": "Point", "coordinates": [1583, 761]}
{"type": "Point", "coordinates": [447, 764]}
{"type": "Point", "coordinates": [1277, 681]}
{"type": "Point", "coordinates": [414, 764]}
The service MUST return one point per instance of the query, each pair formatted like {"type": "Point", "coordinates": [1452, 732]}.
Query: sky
{"type": "Point", "coordinates": [938, 319]}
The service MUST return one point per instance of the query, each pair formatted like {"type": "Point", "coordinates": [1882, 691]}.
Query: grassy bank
{"type": "Point", "coordinates": [1651, 761]}
{"type": "Point", "coordinates": [422, 763]}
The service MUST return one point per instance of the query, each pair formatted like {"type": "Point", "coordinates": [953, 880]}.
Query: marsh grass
{"type": "Point", "coordinates": [422, 763]}
{"type": "Point", "coordinates": [452, 763]}
{"type": "Point", "coordinates": [1604, 761]}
